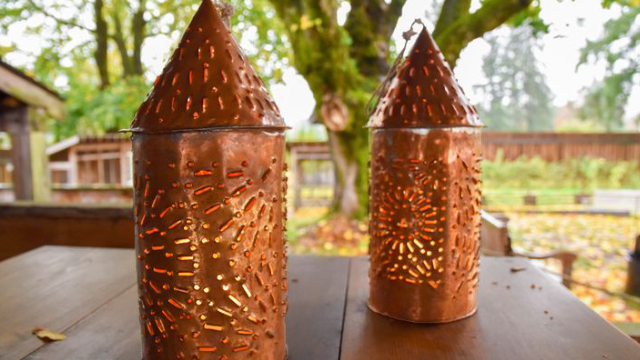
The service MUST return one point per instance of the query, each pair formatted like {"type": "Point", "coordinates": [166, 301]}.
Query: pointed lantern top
{"type": "Point", "coordinates": [423, 93]}
{"type": "Point", "coordinates": [207, 83]}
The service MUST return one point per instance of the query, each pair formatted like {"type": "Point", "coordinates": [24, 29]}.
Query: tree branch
{"type": "Point", "coordinates": [320, 45]}
{"type": "Point", "coordinates": [288, 10]}
{"type": "Point", "coordinates": [450, 12]}
{"type": "Point", "coordinates": [118, 38]}
{"type": "Point", "coordinates": [464, 29]}
{"type": "Point", "coordinates": [60, 21]}
{"type": "Point", "coordinates": [370, 24]}
{"type": "Point", "coordinates": [394, 12]}
{"type": "Point", "coordinates": [138, 27]}
{"type": "Point", "coordinates": [101, 34]}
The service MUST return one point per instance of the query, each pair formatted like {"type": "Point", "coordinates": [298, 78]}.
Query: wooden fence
{"type": "Point", "coordinates": [316, 189]}
{"type": "Point", "coordinates": [556, 147]}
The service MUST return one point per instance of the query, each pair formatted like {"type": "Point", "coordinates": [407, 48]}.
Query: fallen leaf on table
{"type": "Point", "coordinates": [48, 335]}
{"type": "Point", "coordinates": [517, 268]}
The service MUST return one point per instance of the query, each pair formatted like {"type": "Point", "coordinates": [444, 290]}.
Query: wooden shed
{"type": "Point", "coordinates": [25, 104]}
{"type": "Point", "coordinates": [91, 161]}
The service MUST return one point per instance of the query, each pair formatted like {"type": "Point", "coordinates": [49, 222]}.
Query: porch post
{"type": "Point", "coordinates": [30, 170]}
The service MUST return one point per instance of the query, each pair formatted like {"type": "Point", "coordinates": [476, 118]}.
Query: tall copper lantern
{"type": "Point", "coordinates": [208, 149]}
{"type": "Point", "coordinates": [424, 192]}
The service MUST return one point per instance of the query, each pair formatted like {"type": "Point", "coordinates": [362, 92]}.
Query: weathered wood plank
{"type": "Point", "coordinates": [317, 293]}
{"type": "Point", "coordinates": [55, 287]}
{"type": "Point", "coordinates": [511, 322]}
{"type": "Point", "coordinates": [40, 182]}
{"type": "Point", "coordinates": [314, 323]}
{"type": "Point", "coordinates": [66, 210]}
{"type": "Point", "coordinates": [29, 91]}
{"type": "Point", "coordinates": [63, 225]}
{"type": "Point", "coordinates": [22, 175]}
{"type": "Point", "coordinates": [521, 315]}
{"type": "Point", "coordinates": [112, 333]}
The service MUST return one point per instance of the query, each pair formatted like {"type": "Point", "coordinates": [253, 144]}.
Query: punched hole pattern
{"type": "Point", "coordinates": [424, 222]}
{"type": "Point", "coordinates": [229, 218]}
{"type": "Point", "coordinates": [207, 82]}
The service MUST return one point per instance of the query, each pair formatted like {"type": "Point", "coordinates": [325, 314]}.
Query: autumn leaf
{"type": "Point", "coordinates": [48, 335]}
{"type": "Point", "coordinates": [601, 243]}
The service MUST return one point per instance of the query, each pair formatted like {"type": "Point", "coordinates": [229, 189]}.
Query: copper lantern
{"type": "Point", "coordinates": [424, 192]}
{"type": "Point", "coordinates": [208, 149]}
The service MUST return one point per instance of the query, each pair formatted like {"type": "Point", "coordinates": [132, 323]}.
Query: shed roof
{"type": "Point", "coordinates": [77, 140]}
{"type": "Point", "coordinates": [16, 84]}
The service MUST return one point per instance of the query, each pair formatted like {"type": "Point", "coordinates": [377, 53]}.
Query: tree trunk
{"type": "Point", "coordinates": [138, 27]}
{"type": "Point", "coordinates": [101, 35]}
{"type": "Point", "coordinates": [118, 37]}
{"type": "Point", "coordinates": [345, 193]}
{"type": "Point", "coordinates": [350, 153]}
{"type": "Point", "coordinates": [349, 61]}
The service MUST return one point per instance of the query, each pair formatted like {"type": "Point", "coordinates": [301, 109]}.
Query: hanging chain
{"type": "Point", "coordinates": [384, 85]}
{"type": "Point", "coordinates": [225, 10]}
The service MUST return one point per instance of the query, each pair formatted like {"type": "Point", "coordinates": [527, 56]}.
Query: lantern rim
{"type": "Point", "coordinates": [425, 127]}
{"type": "Point", "coordinates": [207, 129]}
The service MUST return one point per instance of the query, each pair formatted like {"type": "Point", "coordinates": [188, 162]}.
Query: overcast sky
{"type": "Point", "coordinates": [572, 24]}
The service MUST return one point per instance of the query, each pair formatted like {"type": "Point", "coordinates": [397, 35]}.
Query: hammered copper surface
{"type": "Point", "coordinates": [424, 200]}
{"type": "Point", "coordinates": [208, 149]}
{"type": "Point", "coordinates": [210, 244]}
{"type": "Point", "coordinates": [207, 82]}
{"type": "Point", "coordinates": [423, 93]}
{"type": "Point", "coordinates": [425, 223]}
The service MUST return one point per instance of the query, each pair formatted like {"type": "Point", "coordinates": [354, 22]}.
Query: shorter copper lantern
{"type": "Point", "coordinates": [208, 147]}
{"type": "Point", "coordinates": [424, 192]}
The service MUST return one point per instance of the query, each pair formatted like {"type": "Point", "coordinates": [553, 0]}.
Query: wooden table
{"type": "Point", "coordinates": [90, 295]}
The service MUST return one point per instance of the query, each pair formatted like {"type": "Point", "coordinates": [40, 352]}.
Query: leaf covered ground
{"type": "Point", "coordinates": [601, 242]}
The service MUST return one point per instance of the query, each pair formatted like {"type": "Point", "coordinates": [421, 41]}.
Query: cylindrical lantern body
{"type": "Point", "coordinates": [209, 224]}
{"type": "Point", "coordinates": [208, 151]}
{"type": "Point", "coordinates": [424, 208]}
{"type": "Point", "coordinates": [424, 202]}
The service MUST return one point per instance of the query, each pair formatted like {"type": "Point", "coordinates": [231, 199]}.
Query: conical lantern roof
{"type": "Point", "coordinates": [207, 83]}
{"type": "Point", "coordinates": [423, 93]}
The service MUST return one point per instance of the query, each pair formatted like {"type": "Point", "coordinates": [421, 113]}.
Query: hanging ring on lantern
{"type": "Point", "coordinates": [381, 89]}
